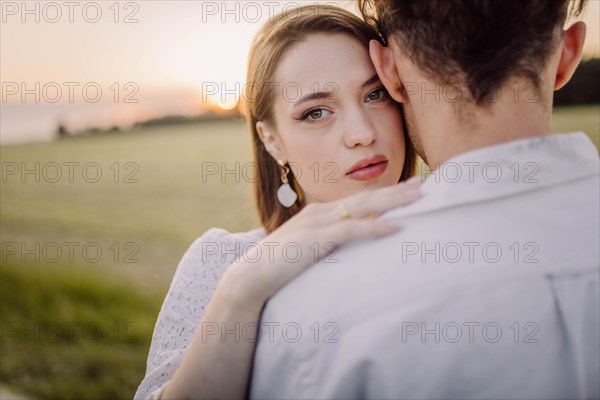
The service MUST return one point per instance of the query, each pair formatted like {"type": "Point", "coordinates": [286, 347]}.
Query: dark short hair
{"type": "Point", "coordinates": [478, 43]}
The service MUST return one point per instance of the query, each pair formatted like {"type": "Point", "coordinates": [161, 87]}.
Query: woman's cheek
{"type": "Point", "coordinates": [398, 138]}
{"type": "Point", "coordinates": [314, 182]}
{"type": "Point", "coordinates": [391, 117]}
{"type": "Point", "coordinates": [318, 174]}
{"type": "Point", "coordinates": [390, 125]}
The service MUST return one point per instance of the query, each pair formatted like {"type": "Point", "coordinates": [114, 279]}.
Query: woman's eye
{"type": "Point", "coordinates": [314, 114]}
{"type": "Point", "coordinates": [377, 94]}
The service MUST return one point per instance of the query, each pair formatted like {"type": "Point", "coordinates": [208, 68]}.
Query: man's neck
{"type": "Point", "coordinates": [452, 129]}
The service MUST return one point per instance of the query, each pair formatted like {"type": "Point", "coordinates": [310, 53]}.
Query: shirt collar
{"type": "Point", "coordinates": [505, 169]}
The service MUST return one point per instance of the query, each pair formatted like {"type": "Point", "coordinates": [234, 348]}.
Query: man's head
{"type": "Point", "coordinates": [468, 53]}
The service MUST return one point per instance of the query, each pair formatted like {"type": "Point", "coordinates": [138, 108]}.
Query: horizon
{"type": "Point", "coordinates": [106, 64]}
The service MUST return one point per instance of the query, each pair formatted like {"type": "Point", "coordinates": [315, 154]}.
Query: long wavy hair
{"type": "Point", "coordinates": [270, 44]}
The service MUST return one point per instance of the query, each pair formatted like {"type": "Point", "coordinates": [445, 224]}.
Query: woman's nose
{"type": "Point", "coordinates": [358, 129]}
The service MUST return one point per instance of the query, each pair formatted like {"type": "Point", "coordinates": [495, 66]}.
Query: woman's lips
{"type": "Point", "coordinates": [371, 171]}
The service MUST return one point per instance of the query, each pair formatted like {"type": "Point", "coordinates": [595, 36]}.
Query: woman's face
{"type": "Point", "coordinates": [334, 122]}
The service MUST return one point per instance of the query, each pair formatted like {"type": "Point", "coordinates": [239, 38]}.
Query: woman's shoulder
{"type": "Point", "coordinates": [221, 234]}
{"type": "Point", "coordinates": [217, 241]}
{"type": "Point", "coordinates": [205, 261]}
{"type": "Point", "coordinates": [246, 236]}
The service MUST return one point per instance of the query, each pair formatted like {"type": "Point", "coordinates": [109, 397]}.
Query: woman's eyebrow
{"type": "Point", "coordinates": [329, 94]}
{"type": "Point", "coordinates": [314, 96]}
{"type": "Point", "coordinates": [371, 80]}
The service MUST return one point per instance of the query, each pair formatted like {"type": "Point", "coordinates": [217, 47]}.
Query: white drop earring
{"type": "Point", "coordinates": [285, 194]}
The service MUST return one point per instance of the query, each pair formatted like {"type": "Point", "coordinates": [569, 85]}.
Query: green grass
{"type": "Point", "coordinates": [162, 214]}
{"type": "Point", "coordinates": [69, 334]}
{"type": "Point", "coordinates": [578, 118]}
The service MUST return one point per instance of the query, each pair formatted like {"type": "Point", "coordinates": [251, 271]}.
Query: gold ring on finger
{"type": "Point", "coordinates": [342, 209]}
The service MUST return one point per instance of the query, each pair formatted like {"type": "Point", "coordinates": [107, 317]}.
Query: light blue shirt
{"type": "Point", "coordinates": [490, 290]}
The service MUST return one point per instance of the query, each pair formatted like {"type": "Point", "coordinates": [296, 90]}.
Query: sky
{"type": "Point", "coordinates": [104, 63]}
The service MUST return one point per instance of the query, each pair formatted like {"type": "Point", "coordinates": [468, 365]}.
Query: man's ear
{"type": "Point", "coordinates": [385, 65]}
{"type": "Point", "coordinates": [572, 47]}
{"type": "Point", "coordinates": [271, 140]}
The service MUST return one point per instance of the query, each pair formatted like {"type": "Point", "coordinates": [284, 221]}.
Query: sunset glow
{"type": "Point", "coordinates": [115, 64]}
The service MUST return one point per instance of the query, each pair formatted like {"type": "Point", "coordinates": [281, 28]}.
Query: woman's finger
{"type": "Point", "coordinates": [373, 203]}
{"type": "Point", "coordinates": [360, 228]}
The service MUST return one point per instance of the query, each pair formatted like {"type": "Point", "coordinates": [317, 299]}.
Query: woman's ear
{"type": "Point", "coordinates": [271, 140]}
{"type": "Point", "coordinates": [385, 65]}
{"type": "Point", "coordinates": [572, 48]}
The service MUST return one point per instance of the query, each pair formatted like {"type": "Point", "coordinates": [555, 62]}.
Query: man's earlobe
{"type": "Point", "coordinates": [572, 48]}
{"type": "Point", "coordinates": [383, 60]}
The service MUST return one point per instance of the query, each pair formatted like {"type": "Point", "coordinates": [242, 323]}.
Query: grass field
{"type": "Point", "coordinates": [153, 221]}
{"type": "Point", "coordinates": [585, 119]}
{"type": "Point", "coordinates": [141, 229]}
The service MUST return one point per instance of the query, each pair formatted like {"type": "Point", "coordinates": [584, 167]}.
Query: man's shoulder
{"type": "Point", "coordinates": [442, 252]}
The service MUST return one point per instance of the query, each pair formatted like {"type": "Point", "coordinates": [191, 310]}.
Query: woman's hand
{"type": "Point", "coordinates": [219, 367]}
{"type": "Point", "coordinates": [312, 234]}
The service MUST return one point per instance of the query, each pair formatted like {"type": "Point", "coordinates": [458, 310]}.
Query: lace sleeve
{"type": "Point", "coordinates": [193, 285]}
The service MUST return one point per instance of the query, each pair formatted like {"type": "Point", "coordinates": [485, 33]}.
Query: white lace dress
{"type": "Point", "coordinates": [193, 285]}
